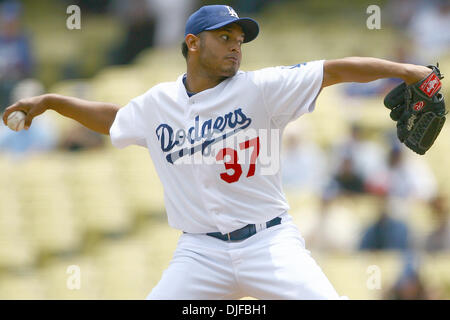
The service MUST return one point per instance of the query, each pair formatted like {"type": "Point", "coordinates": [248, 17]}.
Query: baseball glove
{"type": "Point", "coordinates": [419, 110]}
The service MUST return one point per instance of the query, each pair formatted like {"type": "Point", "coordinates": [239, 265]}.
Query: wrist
{"type": "Point", "coordinates": [413, 73]}
{"type": "Point", "coordinates": [408, 73]}
{"type": "Point", "coordinates": [49, 101]}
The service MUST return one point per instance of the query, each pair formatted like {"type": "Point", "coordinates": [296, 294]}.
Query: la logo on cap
{"type": "Point", "coordinates": [232, 12]}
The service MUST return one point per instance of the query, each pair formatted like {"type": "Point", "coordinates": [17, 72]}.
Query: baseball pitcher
{"type": "Point", "coordinates": [206, 134]}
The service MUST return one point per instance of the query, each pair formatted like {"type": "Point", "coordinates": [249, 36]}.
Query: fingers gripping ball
{"type": "Point", "coordinates": [16, 120]}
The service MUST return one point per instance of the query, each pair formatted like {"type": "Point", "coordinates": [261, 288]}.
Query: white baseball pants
{"type": "Point", "coordinates": [272, 264]}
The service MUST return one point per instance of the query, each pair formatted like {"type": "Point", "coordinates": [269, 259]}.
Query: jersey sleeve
{"type": "Point", "coordinates": [290, 91]}
{"type": "Point", "coordinates": [128, 126]}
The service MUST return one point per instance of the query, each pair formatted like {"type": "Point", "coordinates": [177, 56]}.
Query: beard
{"type": "Point", "coordinates": [218, 67]}
{"type": "Point", "coordinates": [229, 72]}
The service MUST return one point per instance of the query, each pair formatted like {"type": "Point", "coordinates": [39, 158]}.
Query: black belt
{"type": "Point", "coordinates": [243, 233]}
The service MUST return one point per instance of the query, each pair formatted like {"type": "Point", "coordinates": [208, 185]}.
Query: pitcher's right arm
{"type": "Point", "coordinates": [97, 116]}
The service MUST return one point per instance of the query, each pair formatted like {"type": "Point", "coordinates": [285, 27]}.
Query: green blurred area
{"type": "Point", "coordinates": [56, 48]}
{"type": "Point", "coordinates": [287, 35]}
{"type": "Point", "coordinates": [103, 210]}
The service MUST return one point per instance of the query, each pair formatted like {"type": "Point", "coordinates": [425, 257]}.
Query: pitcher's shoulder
{"type": "Point", "coordinates": [166, 87]}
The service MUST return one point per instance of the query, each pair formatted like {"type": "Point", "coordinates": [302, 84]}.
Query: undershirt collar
{"type": "Point", "coordinates": [190, 94]}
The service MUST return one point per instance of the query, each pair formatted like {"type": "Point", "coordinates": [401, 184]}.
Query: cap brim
{"type": "Point", "coordinates": [248, 25]}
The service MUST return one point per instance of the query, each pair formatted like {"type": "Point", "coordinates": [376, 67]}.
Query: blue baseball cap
{"type": "Point", "coordinates": [217, 16]}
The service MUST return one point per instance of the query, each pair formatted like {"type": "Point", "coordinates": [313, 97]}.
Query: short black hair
{"type": "Point", "coordinates": [184, 49]}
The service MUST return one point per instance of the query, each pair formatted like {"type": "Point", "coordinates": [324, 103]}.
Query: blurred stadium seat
{"type": "Point", "coordinates": [22, 287]}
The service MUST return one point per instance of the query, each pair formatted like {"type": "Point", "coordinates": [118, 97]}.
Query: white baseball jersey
{"type": "Point", "coordinates": [210, 150]}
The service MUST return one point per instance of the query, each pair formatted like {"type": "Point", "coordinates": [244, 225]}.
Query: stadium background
{"type": "Point", "coordinates": [77, 201]}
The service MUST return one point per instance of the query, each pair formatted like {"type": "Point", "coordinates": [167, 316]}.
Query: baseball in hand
{"type": "Point", "coordinates": [16, 120]}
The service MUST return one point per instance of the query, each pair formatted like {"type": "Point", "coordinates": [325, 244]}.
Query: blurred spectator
{"type": "Point", "coordinates": [91, 6]}
{"type": "Point", "coordinates": [358, 154]}
{"type": "Point", "coordinates": [170, 18]}
{"type": "Point", "coordinates": [244, 7]}
{"type": "Point", "coordinates": [370, 89]}
{"type": "Point", "coordinates": [139, 26]}
{"type": "Point", "coordinates": [303, 162]}
{"type": "Point", "coordinates": [347, 180]}
{"type": "Point", "coordinates": [354, 160]}
{"type": "Point", "coordinates": [386, 232]}
{"type": "Point", "coordinates": [15, 56]}
{"type": "Point", "coordinates": [250, 6]}
{"type": "Point", "coordinates": [400, 12]}
{"type": "Point", "coordinates": [332, 228]}
{"type": "Point", "coordinates": [404, 177]}
{"type": "Point", "coordinates": [428, 29]}
{"type": "Point", "coordinates": [40, 137]}
{"type": "Point", "coordinates": [410, 285]}
{"type": "Point", "coordinates": [439, 238]}
{"type": "Point", "coordinates": [80, 138]}
{"type": "Point", "coordinates": [149, 23]}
